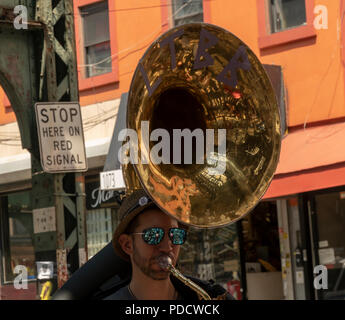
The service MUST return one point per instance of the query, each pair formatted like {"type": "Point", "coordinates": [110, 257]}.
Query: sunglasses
{"type": "Point", "coordinates": [155, 235]}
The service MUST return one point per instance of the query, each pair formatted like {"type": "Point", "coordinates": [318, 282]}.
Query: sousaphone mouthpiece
{"type": "Point", "coordinates": [165, 262]}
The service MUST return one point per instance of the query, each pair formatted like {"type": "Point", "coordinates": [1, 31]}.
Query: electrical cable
{"type": "Point", "coordinates": [95, 65]}
{"type": "Point", "coordinates": [137, 43]}
{"type": "Point", "coordinates": [337, 45]}
{"type": "Point", "coordinates": [139, 8]}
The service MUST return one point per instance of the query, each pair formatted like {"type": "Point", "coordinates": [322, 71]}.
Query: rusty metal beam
{"type": "Point", "coordinates": [56, 91]}
{"type": "Point", "coordinates": [22, 52]}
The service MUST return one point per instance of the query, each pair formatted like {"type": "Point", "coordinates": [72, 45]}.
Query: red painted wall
{"type": "Point", "coordinates": [312, 60]}
{"type": "Point", "coordinates": [312, 67]}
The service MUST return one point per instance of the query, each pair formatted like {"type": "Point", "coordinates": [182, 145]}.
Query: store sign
{"type": "Point", "coordinates": [61, 137]}
{"type": "Point", "coordinates": [112, 180]}
{"type": "Point", "coordinates": [97, 198]}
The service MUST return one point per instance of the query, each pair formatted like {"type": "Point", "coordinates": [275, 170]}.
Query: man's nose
{"type": "Point", "coordinates": [166, 244]}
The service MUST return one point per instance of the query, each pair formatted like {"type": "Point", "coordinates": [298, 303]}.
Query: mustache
{"type": "Point", "coordinates": [158, 257]}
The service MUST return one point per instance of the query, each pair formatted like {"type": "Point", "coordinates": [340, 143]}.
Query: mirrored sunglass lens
{"type": "Point", "coordinates": [178, 236]}
{"type": "Point", "coordinates": [153, 235]}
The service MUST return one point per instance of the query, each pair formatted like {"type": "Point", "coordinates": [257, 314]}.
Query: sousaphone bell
{"type": "Point", "coordinates": [201, 77]}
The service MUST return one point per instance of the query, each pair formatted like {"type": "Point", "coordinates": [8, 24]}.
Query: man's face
{"type": "Point", "coordinates": [145, 256]}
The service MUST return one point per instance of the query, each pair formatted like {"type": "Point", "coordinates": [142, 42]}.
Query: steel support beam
{"type": "Point", "coordinates": [62, 85]}
{"type": "Point", "coordinates": [39, 64]}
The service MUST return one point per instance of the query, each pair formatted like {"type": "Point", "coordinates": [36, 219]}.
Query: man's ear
{"type": "Point", "coordinates": [126, 243]}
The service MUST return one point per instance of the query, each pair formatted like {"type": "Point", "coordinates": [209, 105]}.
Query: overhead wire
{"type": "Point", "coordinates": [90, 123]}
{"type": "Point", "coordinates": [95, 120]}
{"type": "Point", "coordinates": [324, 134]}
{"type": "Point", "coordinates": [139, 8]}
{"type": "Point", "coordinates": [318, 90]}
{"type": "Point", "coordinates": [137, 43]}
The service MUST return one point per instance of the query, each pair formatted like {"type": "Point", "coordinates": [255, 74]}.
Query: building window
{"type": "Point", "coordinates": [95, 22]}
{"type": "Point", "coordinates": [186, 11]}
{"type": "Point", "coordinates": [213, 255]}
{"type": "Point", "coordinates": [329, 231]}
{"type": "Point", "coordinates": [285, 21]}
{"type": "Point", "coordinates": [17, 234]}
{"type": "Point", "coordinates": [286, 14]}
{"type": "Point", "coordinates": [96, 42]}
{"type": "Point", "coordinates": [262, 255]}
{"type": "Point", "coordinates": [99, 230]}
{"type": "Point", "coordinates": [101, 215]}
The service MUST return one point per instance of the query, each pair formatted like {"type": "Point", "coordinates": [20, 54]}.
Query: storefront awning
{"type": "Point", "coordinates": [310, 159]}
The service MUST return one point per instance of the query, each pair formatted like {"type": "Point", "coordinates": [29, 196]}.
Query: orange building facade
{"type": "Point", "coordinates": [305, 38]}
{"type": "Point", "coordinates": [312, 59]}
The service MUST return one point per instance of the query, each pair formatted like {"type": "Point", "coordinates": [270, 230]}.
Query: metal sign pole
{"type": "Point", "coordinates": [58, 200]}
{"type": "Point", "coordinates": [66, 192]}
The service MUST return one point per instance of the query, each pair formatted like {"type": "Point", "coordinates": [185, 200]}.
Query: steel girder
{"type": "Point", "coordinates": [38, 63]}
{"type": "Point", "coordinates": [17, 66]}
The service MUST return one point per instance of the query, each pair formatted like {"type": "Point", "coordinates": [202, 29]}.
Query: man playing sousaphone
{"type": "Point", "coordinates": [202, 82]}
{"type": "Point", "coordinates": [200, 78]}
{"type": "Point", "coordinates": [147, 237]}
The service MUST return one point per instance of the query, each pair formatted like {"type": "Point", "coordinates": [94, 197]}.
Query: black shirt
{"type": "Point", "coordinates": [185, 293]}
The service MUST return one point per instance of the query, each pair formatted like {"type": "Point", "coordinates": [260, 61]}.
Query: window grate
{"type": "Point", "coordinates": [99, 230]}
{"type": "Point", "coordinates": [286, 14]}
{"type": "Point", "coordinates": [95, 22]}
{"type": "Point", "coordinates": [185, 11]}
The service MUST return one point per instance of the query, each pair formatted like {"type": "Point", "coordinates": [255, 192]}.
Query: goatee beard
{"type": "Point", "coordinates": [145, 266]}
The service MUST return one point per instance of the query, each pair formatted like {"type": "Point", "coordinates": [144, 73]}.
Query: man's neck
{"type": "Point", "coordinates": [145, 288]}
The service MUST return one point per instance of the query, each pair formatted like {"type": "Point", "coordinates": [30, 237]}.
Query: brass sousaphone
{"type": "Point", "coordinates": [200, 76]}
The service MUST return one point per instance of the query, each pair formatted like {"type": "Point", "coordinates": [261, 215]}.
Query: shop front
{"type": "Point", "coordinates": [17, 246]}
{"type": "Point", "coordinates": [260, 253]}
{"type": "Point", "coordinates": [326, 211]}
{"type": "Point", "coordinates": [101, 214]}
{"type": "Point", "coordinates": [309, 188]}
{"type": "Point", "coordinates": [214, 254]}
{"type": "Point", "coordinates": [18, 269]}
